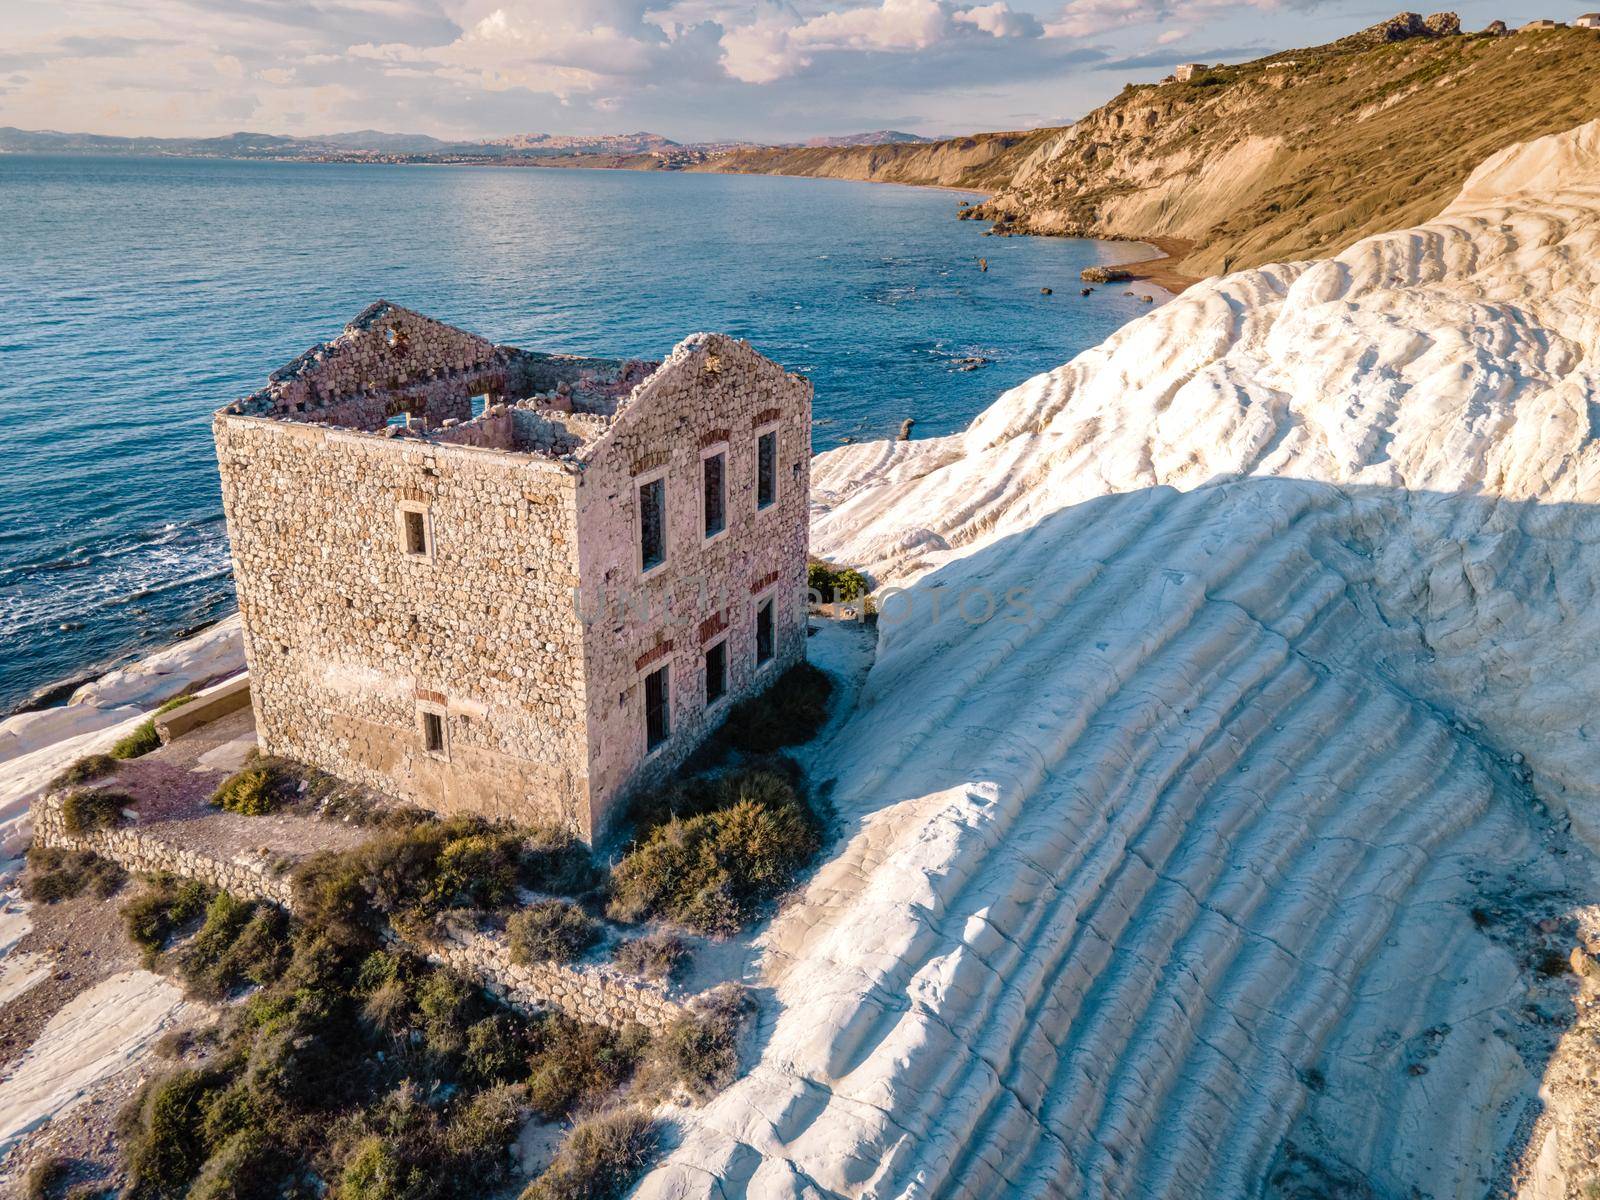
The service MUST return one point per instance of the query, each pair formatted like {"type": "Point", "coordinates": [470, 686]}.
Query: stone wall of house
{"type": "Point", "coordinates": [588, 992]}
{"type": "Point", "coordinates": [350, 639]}
{"type": "Point", "coordinates": [712, 392]}
{"type": "Point", "coordinates": [248, 876]}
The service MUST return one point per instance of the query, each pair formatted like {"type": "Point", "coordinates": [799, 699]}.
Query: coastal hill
{"type": "Point", "coordinates": [878, 137]}
{"type": "Point", "coordinates": [1298, 154]}
{"type": "Point", "coordinates": [983, 161]}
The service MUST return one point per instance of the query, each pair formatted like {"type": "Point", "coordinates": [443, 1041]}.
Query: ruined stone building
{"type": "Point", "coordinates": [517, 584]}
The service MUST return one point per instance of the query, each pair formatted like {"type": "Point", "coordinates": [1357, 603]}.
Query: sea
{"type": "Point", "coordinates": [139, 295]}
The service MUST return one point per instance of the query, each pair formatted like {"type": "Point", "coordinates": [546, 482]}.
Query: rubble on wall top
{"type": "Point", "coordinates": [391, 362]}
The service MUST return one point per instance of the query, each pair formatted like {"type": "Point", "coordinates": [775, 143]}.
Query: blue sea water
{"type": "Point", "coordinates": [138, 295]}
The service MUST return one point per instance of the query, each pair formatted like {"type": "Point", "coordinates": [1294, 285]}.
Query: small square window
{"type": "Point", "coordinates": [652, 523]}
{"type": "Point", "coordinates": [657, 709]}
{"type": "Point", "coordinates": [432, 732]}
{"type": "Point", "coordinates": [764, 641]}
{"type": "Point", "coordinates": [714, 470]}
{"type": "Point", "coordinates": [716, 672]}
{"type": "Point", "coordinates": [480, 404]}
{"type": "Point", "coordinates": [767, 468]}
{"type": "Point", "coordinates": [416, 532]}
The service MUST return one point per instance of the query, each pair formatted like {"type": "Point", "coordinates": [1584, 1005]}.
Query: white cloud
{"type": "Point", "coordinates": [777, 43]}
{"type": "Point", "coordinates": [998, 20]}
{"type": "Point", "coordinates": [555, 47]}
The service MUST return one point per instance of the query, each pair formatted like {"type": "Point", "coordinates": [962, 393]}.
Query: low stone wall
{"type": "Point", "coordinates": [249, 877]}
{"type": "Point", "coordinates": [597, 994]}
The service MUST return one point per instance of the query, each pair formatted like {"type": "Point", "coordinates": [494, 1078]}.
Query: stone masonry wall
{"type": "Point", "coordinates": [713, 391]}
{"type": "Point", "coordinates": [248, 876]}
{"type": "Point", "coordinates": [389, 359]}
{"type": "Point", "coordinates": [590, 992]}
{"type": "Point", "coordinates": [358, 643]}
{"type": "Point", "coordinates": [350, 639]}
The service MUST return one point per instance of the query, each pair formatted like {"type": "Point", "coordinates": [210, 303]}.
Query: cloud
{"type": "Point", "coordinates": [1083, 18]}
{"type": "Point", "coordinates": [998, 20]}
{"type": "Point", "coordinates": [778, 43]}
{"type": "Point", "coordinates": [1171, 58]}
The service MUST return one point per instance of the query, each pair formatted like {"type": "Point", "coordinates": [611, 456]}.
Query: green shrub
{"type": "Point", "coordinates": [789, 712]}
{"type": "Point", "coordinates": [495, 1052]}
{"type": "Point", "coordinates": [482, 1128]}
{"type": "Point", "coordinates": [656, 956]}
{"type": "Point", "coordinates": [330, 895]}
{"type": "Point", "coordinates": [407, 876]}
{"type": "Point", "coordinates": [231, 1111]}
{"type": "Point", "coordinates": [480, 868]}
{"type": "Point", "coordinates": [577, 1067]}
{"type": "Point", "coordinates": [86, 810]}
{"type": "Point", "coordinates": [242, 1168]}
{"type": "Point", "coordinates": [256, 789]}
{"type": "Point", "coordinates": [832, 582]}
{"type": "Point", "coordinates": [140, 741]}
{"type": "Point", "coordinates": [555, 861]}
{"type": "Point", "coordinates": [698, 1053]}
{"type": "Point", "coordinates": [240, 942]}
{"type": "Point", "coordinates": [48, 1178]}
{"type": "Point", "coordinates": [167, 1147]}
{"type": "Point", "coordinates": [713, 870]}
{"type": "Point", "coordinates": [601, 1158]}
{"type": "Point", "coordinates": [551, 931]}
{"type": "Point", "coordinates": [177, 701]}
{"type": "Point", "coordinates": [378, 1171]}
{"type": "Point", "coordinates": [164, 907]}
{"type": "Point", "coordinates": [447, 1004]}
{"type": "Point", "coordinates": [774, 780]}
{"type": "Point", "coordinates": [55, 875]}
{"type": "Point", "coordinates": [291, 1067]}
{"type": "Point", "coordinates": [91, 766]}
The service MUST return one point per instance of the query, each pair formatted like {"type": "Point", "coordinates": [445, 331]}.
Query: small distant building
{"type": "Point", "coordinates": [489, 580]}
{"type": "Point", "coordinates": [1588, 21]}
{"type": "Point", "coordinates": [1542, 23]}
{"type": "Point", "coordinates": [1188, 71]}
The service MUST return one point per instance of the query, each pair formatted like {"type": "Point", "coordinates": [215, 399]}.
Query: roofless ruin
{"type": "Point", "coordinates": [517, 584]}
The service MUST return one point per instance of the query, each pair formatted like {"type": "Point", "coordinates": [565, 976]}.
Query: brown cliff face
{"type": "Point", "coordinates": [983, 162]}
{"type": "Point", "coordinates": [1292, 156]}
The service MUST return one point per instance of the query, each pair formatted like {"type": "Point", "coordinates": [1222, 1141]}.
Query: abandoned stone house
{"type": "Point", "coordinates": [517, 584]}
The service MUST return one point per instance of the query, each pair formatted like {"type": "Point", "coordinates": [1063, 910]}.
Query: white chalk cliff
{"type": "Point", "coordinates": [1207, 865]}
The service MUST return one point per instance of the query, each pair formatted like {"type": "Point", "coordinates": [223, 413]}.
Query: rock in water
{"type": "Point", "coordinates": [905, 429]}
{"type": "Point", "coordinates": [1104, 275]}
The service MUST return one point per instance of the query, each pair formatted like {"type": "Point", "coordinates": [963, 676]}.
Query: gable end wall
{"type": "Point", "coordinates": [347, 637]}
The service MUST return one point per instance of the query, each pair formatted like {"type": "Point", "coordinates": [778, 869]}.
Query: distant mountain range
{"type": "Point", "coordinates": [376, 145]}
{"type": "Point", "coordinates": [613, 143]}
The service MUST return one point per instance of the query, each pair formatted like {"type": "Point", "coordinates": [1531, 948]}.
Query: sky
{"type": "Point", "coordinates": [694, 70]}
